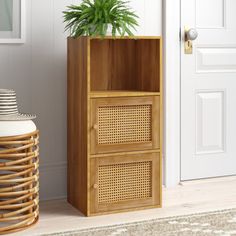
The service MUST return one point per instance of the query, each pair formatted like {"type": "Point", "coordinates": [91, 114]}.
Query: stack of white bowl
{"type": "Point", "coordinates": [8, 104]}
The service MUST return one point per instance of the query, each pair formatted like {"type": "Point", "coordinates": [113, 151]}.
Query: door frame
{"type": "Point", "coordinates": [172, 91]}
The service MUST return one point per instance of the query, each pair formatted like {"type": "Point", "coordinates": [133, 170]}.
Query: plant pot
{"type": "Point", "coordinates": [109, 30]}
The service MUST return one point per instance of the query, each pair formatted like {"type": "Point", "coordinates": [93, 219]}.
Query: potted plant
{"type": "Point", "coordinates": [96, 17]}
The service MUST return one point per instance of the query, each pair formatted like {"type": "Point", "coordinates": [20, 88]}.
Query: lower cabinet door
{"type": "Point", "coordinates": [125, 182]}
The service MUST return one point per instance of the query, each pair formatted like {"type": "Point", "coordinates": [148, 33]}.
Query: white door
{"type": "Point", "coordinates": [208, 90]}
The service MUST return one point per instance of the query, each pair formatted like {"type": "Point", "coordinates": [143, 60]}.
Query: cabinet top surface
{"type": "Point", "coordinates": [118, 37]}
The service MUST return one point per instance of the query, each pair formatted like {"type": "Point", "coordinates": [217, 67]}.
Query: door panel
{"type": "Point", "coordinates": [216, 18]}
{"type": "Point", "coordinates": [208, 85]}
{"type": "Point", "coordinates": [124, 182]}
{"type": "Point", "coordinates": [210, 122]}
{"type": "Point", "coordinates": [125, 124]}
{"type": "Point", "coordinates": [216, 59]}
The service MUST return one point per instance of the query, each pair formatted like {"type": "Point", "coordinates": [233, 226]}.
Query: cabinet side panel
{"type": "Point", "coordinates": [77, 122]}
{"type": "Point", "coordinates": [161, 116]}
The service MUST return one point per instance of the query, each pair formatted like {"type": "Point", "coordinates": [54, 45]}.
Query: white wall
{"type": "Point", "coordinates": [37, 71]}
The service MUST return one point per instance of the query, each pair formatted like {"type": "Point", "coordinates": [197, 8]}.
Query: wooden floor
{"type": "Point", "coordinates": [190, 197]}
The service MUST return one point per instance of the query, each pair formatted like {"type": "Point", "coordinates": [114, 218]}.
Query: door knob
{"type": "Point", "coordinates": [95, 126]}
{"type": "Point", "coordinates": [189, 36]}
{"type": "Point", "coordinates": [95, 186]}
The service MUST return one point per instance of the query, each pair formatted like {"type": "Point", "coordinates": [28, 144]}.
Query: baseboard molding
{"type": "Point", "coordinates": [52, 165]}
{"type": "Point", "coordinates": [58, 198]}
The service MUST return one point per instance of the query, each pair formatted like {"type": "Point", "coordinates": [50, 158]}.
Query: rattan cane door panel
{"type": "Point", "coordinates": [125, 124]}
{"type": "Point", "coordinates": [125, 182]}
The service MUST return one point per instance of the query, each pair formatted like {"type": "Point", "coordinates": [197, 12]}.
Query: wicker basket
{"type": "Point", "coordinates": [19, 187]}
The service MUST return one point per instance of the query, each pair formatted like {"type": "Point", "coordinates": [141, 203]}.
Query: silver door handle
{"type": "Point", "coordinates": [191, 34]}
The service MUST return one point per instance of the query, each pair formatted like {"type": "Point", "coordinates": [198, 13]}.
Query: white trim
{"type": "Point", "coordinates": [171, 22]}
{"type": "Point", "coordinates": [21, 39]}
{"type": "Point", "coordinates": [52, 165]}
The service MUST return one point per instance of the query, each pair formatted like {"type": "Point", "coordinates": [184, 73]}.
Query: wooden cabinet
{"type": "Point", "coordinates": [114, 124]}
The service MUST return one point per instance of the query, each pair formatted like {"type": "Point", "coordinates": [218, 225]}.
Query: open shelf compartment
{"type": "Point", "coordinates": [132, 64]}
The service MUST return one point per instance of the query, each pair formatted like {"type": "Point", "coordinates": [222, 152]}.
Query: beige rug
{"type": "Point", "coordinates": [218, 223]}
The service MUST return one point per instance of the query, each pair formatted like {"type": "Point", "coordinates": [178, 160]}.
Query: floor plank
{"type": "Point", "coordinates": [186, 198]}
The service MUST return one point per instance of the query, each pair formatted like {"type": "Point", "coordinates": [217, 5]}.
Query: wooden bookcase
{"type": "Point", "coordinates": [114, 124]}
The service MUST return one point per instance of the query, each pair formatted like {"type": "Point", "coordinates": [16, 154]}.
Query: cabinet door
{"type": "Point", "coordinates": [125, 182]}
{"type": "Point", "coordinates": [125, 124]}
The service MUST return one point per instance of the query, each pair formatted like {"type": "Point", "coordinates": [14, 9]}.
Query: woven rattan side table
{"type": "Point", "coordinates": [19, 186]}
